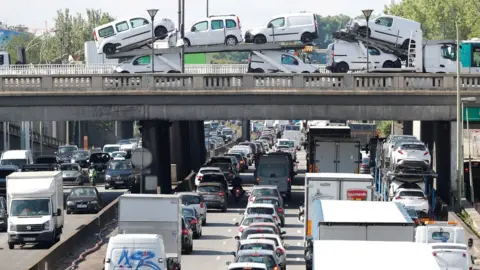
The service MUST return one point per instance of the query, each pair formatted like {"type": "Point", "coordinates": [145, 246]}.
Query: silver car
{"type": "Point", "coordinates": [72, 174]}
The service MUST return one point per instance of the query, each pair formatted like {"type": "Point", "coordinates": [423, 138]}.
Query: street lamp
{"type": "Point", "coordinates": [468, 100]}
{"type": "Point", "coordinates": [152, 13]}
{"type": "Point", "coordinates": [367, 13]}
{"type": "Point", "coordinates": [459, 128]}
{"type": "Point", "coordinates": [207, 7]}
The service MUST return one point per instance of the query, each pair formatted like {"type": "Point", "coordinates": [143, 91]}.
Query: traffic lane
{"type": "Point", "coordinates": [21, 258]}
{"type": "Point", "coordinates": [218, 240]}
{"type": "Point", "coordinates": [107, 196]}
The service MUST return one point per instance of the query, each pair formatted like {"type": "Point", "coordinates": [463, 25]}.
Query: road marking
{"type": "Point", "coordinates": [229, 230]}
{"type": "Point", "coordinates": [234, 219]}
{"type": "Point", "coordinates": [298, 259]}
{"type": "Point", "coordinates": [299, 231]}
{"type": "Point", "coordinates": [299, 244]}
{"type": "Point", "coordinates": [218, 258]}
{"type": "Point", "coordinates": [224, 242]}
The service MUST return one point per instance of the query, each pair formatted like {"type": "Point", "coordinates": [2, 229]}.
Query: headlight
{"type": "Point", "coordinates": [13, 227]}
{"type": "Point", "coordinates": [70, 203]}
{"type": "Point", "coordinates": [107, 177]}
{"type": "Point", "coordinates": [46, 225]}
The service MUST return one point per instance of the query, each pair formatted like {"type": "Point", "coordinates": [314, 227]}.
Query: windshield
{"type": "Point", "coordinates": [291, 127]}
{"type": "Point", "coordinates": [266, 201]}
{"type": "Point", "coordinates": [365, 160]}
{"type": "Point", "coordinates": [418, 147]}
{"type": "Point", "coordinates": [260, 210]}
{"type": "Point", "coordinates": [283, 147]}
{"type": "Point", "coordinates": [246, 233]}
{"type": "Point", "coordinates": [225, 167]}
{"type": "Point", "coordinates": [255, 258]}
{"type": "Point", "coordinates": [190, 199]}
{"type": "Point", "coordinates": [241, 153]}
{"type": "Point", "coordinates": [209, 188]}
{"type": "Point", "coordinates": [411, 194]}
{"type": "Point", "coordinates": [69, 167]}
{"type": "Point", "coordinates": [210, 171]}
{"type": "Point", "coordinates": [120, 165]}
{"type": "Point", "coordinates": [83, 192]}
{"type": "Point", "coordinates": [227, 131]}
{"type": "Point", "coordinates": [80, 155]}
{"type": "Point", "coordinates": [256, 246]}
{"type": "Point", "coordinates": [287, 143]}
{"type": "Point", "coordinates": [67, 149]}
{"type": "Point", "coordinates": [17, 162]}
{"type": "Point", "coordinates": [110, 149]}
{"type": "Point", "coordinates": [118, 154]}
{"type": "Point", "coordinates": [27, 208]}
{"type": "Point", "coordinates": [186, 212]}
{"type": "Point", "coordinates": [264, 192]}
{"type": "Point", "coordinates": [248, 221]}
{"type": "Point", "coordinates": [272, 170]}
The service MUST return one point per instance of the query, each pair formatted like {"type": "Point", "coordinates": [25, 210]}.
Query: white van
{"type": "Point", "coordinates": [388, 28]}
{"type": "Point", "coordinates": [216, 29]}
{"type": "Point", "coordinates": [163, 63]}
{"type": "Point", "coordinates": [122, 248]}
{"type": "Point", "coordinates": [277, 61]}
{"type": "Point", "coordinates": [452, 256]}
{"type": "Point", "coordinates": [110, 148]}
{"type": "Point", "coordinates": [285, 27]}
{"type": "Point", "coordinates": [16, 157]}
{"type": "Point", "coordinates": [343, 56]}
{"type": "Point", "coordinates": [129, 33]}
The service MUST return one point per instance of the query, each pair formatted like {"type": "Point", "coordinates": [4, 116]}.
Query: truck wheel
{"type": "Point", "coordinates": [11, 246]}
{"type": "Point", "coordinates": [68, 212]}
{"type": "Point", "coordinates": [109, 48]}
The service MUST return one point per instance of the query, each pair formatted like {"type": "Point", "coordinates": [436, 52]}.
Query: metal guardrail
{"type": "Point", "coordinates": [156, 83]}
{"type": "Point", "coordinates": [67, 69]}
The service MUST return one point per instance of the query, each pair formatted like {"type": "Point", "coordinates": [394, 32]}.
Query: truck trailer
{"type": "Point", "coordinates": [153, 214]}
{"type": "Point", "coordinates": [358, 221]}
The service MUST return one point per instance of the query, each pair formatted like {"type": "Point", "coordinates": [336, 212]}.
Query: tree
{"type": "Point", "coordinates": [438, 17]}
{"type": "Point", "coordinates": [326, 27]}
{"type": "Point", "coordinates": [384, 128]}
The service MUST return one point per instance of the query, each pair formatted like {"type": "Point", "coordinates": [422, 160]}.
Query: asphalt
{"type": "Point", "coordinates": [21, 258]}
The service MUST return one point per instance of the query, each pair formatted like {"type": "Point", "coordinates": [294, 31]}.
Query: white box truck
{"type": "Point", "coordinates": [359, 221]}
{"type": "Point", "coordinates": [373, 255]}
{"type": "Point", "coordinates": [334, 186]}
{"type": "Point", "coordinates": [35, 207]}
{"type": "Point", "coordinates": [153, 214]}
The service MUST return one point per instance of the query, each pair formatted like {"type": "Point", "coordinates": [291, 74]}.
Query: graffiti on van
{"type": "Point", "coordinates": [137, 259]}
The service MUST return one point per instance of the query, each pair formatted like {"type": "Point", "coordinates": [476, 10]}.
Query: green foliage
{"type": "Point", "coordinates": [384, 128]}
{"type": "Point", "coordinates": [328, 25]}
{"type": "Point", "coordinates": [438, 17]}
{"type": "Point", "coordinates": [229, 58]}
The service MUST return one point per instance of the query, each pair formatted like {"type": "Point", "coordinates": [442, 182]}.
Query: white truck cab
{"type": "Point", "coordinates": [35, 207]}
{"type": "Point", "coordinates": [17, 158]}
{"type": "Point", "coordinates": [440, 232]}
{"type": "Point", "coordinates": [5, 60]}
{"type": "Point", "coordinates": [277, 61]}
{"type": "Point", "coordinates": [131, 250]}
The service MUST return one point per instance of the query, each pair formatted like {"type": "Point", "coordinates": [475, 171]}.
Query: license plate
{"type": "Point", "coordinates": [81, 206]}
{"type": "Point", "coordinates": [118, 182]}
{"type": "Point", "coordinates": [29, 239]}
{"type": "Point", "coordinates": [209, 197]}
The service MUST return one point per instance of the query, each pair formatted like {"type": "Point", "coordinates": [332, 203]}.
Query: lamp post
{"type": "Point", "coordinates": [468, 100]}
{"type": "Point", "coordinates": [367, 13]}
{"type": "Point", "coordinates": [459, 128]}
{"type": "Point", "coordinates": [152, 13]}
{"type": "Point", "coordinates": [207, 8]}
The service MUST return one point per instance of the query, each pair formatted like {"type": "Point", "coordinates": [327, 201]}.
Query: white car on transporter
{"type": "Point", "coordinates": [411, 155]}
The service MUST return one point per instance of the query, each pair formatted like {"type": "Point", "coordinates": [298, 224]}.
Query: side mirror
{"type": "Point", "coordinates": [228, 263]}
{"type": "Point", "coordinates": [233, 253]}
{"type": "Point", "coordinates": [59, 212]}
{"type": "Point", "coordinates": [286, 246]}
{"type": "Point", "coordinates": [269, 25]}
{"type": "Point", "coordinates": [284, 232]}
{"type": "Point", "coordinates": [295, 62]}
{"type": "Point", "coordinates": [193, 29]}
{"type": "Point", "coordinates": [237, 224]}
{"type": "Point", "coordinates": [237, 238]}
{"type": "Point", "coordinates": [393, 146]}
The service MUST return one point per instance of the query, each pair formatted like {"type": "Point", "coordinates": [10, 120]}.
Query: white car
{"type": "Point", "coordinates": [193, 199]}
{"type": "Point", "coordinates": [204, 170]}
{"type": "Point", "coordinates": [413, 155]}
{"type": "Point", "coordinates": [129, 33]}
{"type": "Point", "coordinates": [264, 191]}
{"type": "Point", "coordinates": [277, 61]}
{"type": "Point", "coordinates": [412, 198]}
{"type": "Point", "coordinates": [263, 208]}
{"type": "Point", "coordinates": [164, 63]}
{"type": "Point", "coordinates": [343, 56]}
{"type": "Point", "coordinates": [263, 244]}
{"type": "Point", "coordinates": [246, 265]}
{"type": "Point", "coordinates": [392, 29]}
{"type": "Point", "coordinates": [252, 218]}
{"type": "Point", "coordinates": [214, 30]}
{"type": "Point", "coordinates": [286, 27]}
{"type": "Point", "coordinates": [110, 148]}
{"type": "Point", "coordinates": [280, 248]}
{"type": "Point", "coordinates": [390, 142]}
{"type": "Point", "coordinates": [246, 149]}
{"type": "Point", "coordinates": [118, 155]}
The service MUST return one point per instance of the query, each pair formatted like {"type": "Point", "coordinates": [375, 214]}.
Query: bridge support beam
{"type": "Point", "coordinates": [197, 144]}
{"type": "Point", "coordinates": [246, 130]}
{"type": "Point", "coordinates": [125, 129]}
{"type": "Point", "coordinates": [407, 127]}
{"type": "Point", "coordinates": [156, 138]}
{"type": "Point", "coordinates": [180, 148]}
{"type": "Point", "coordinates": [442, 158]}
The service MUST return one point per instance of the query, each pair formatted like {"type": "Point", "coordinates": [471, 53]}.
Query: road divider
{"type": "Point", "coordinates": [91, 228]}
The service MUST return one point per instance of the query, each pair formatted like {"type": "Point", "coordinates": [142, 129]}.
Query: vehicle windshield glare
{"type": "Point", "coordinates": [27, 208]}
{"type": "Point", "coordinates": [17, 162]}
{"type": "Point", "coordinates": [256, 246]}
{"type": "Point", "coordinates": [111, 149]}
{"type": "Point", "coordinates": [189, 199]}
{"type": "Point", "coordinates": [287, 143]}
{"type": "Point", "coordinates": [66, 149]}
{"type": "Point", "coordinates": [249, 221]}
{"type": "Point", "coordinates": [188, 212]}
{"type": "Point", "coordinates": [266, 201]}
{"type": "Point", "coordinates": [80, 155]}
{"type": "Point", "coordinates": [267, 260]}
{"type": "Point", "coordinates": [264, 192]}
{"type": "Point", "coordinates": [83, 192]}
{"type": "Point", "coordinates": [120, 165]}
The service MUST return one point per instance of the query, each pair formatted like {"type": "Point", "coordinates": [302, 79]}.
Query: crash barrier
{"type": "Point", "coordinates": [188, 184]}
{"type": "Point", "coordinates": [173, 176]}
{"type": "Point", "coordinates": [60, 250]}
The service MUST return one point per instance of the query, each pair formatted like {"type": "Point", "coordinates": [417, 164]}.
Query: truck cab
{"type": "Point", "coordinates": [440, 232]}
{"type": "Point", "coordinates": [5, 59]}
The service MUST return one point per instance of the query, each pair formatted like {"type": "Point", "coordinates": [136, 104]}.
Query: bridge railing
{"type": "Point", "coordinates": [205, 82]}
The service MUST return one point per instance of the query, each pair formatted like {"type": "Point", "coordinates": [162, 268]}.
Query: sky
{"type": "Point", "coordinates": [252, 13]}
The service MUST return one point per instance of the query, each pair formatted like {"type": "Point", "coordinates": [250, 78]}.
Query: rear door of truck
{"type": "Point", "coordinates": [318, 189]}
{"type": "Point", "coordinates": [324, 156]}
{"type": "Point", "coordinates": [348, 157]}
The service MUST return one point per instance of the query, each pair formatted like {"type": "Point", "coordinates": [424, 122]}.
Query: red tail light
{"type": "Point", "coordinates": [434, 254]}
{"type": "Point", "coordinates": [400, 151]}
{"type": "Point", "coordinates": [240, 229]}
{"type": "Point", "coordinates": [185, 232]}
{"type": "Point", "coordinates": [241, 161]}
{"type": "Point", "coordinates": [426, 153]}
{"type": "Point", "coordinates": [202, 205]}
{"type": "Point", "coordinates": [258, 180]}
{"type": "Point", "coordinates": [289, 180]}
{"type": "Point", "coordinates": [399, 198]}
{"type": "Point", "coordinates": [95, 36]}
{"type": "Point", "coordinates": [363, 165]}
{"type": "Point", "coordinates": [238, 22]}
{"type": "Point", "coordinates": [417, 222]}
{"type": "Point", "coordinates": [275, 268]}
{"type": "Point", "coordinates": [221, 194]}
{"type": "Point", "coordinates": [275, 217]}
{"type": "Point", "coordinates": [251, 198]}
{"type": "Point", "coordinates": [194, 222]}
{"type": "Point", "coordinates": [466, 169]}
{"type": "Point", "coordinates": [281, 251]}
{"type": "Point", "coordinates": [280, 210]}
{"type": "Point", "coordinates": [199, 177]}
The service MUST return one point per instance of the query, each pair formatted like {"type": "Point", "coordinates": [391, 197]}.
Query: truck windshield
{"type": "Point", "coordinates": [17, 162]}
{"type": "Point", "coordinates": [272, 170]}
{"type": "Point", "coordinates": [27, 208]}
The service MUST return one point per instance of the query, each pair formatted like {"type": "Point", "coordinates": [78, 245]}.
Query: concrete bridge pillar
{"type": "Point", "coordinates": [246, 130]}
{"type": "Point", "coordinates": [126, 129]}
{"type": "Point", "coordinates": [156, 138]}
{"type": "Point", "coordinates": [442, 158]}
{"type": "Point", "coordinates": [180, 148]}
{"type": "Point", "coordinates": [407, 127]}
{"type": "Point", "coordinates": [197, 144]}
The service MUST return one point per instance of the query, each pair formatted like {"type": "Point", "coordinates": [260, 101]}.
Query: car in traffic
{"type": "Point", "coordinates": [81, 157]}
{"type": "Point", "coordinates": [99, 161]}
{"type": "Point", "coordinates": [272, 225]}
{"type": "Point", "coordinates": [72, 174]}
{"type": "Point", "coordinates": [243, 163]}
{"type": "Point", "coordinates": [192, 217]}
{"type": "Point", "coordinates": [214, 195]}
{"type": "Point", "coordinates": [119, 173]}
{"type": "Point", "coordinates": [119, 155]}
{"type": "Point", "coordinates": [412, 198]}
{"type": "Point", "coordinates": [204, 170]}
{"type": "Point", "coordinates": [195, 200]}
{"type": "Point", "coordinates": [46, 160]}
{"type": "Point", "coordinates": [280, 248]}
{"type": "Point", "coordinates": [276, 202]}
{"type": "Point", "coordinates": [252, 218]}
{"type": "Point", "coordinates": [248, 231]}
{"type": "Point", "coordinates": [263, 244]}
{"type": "Point", "coordinates": [64, 153]}
{"type": "Point", "coordinates": [365, 165]}
{"type": "Point", "coordinates": [216, 178]}
{"type": "Point", "coordinates": [412, 155]}
{"type": "Point", "coordinates": [228, 170]}
{"type": "Point", "coordinates": [84, 200]}
{"type": "Point", "coordinates": [264, 191]}
{"type": "Point", "coordinates": [263, 208]}
{"type": "Point", "coordinates": [187, 237]}
{"type": "Point", "coordinates": [266, 257]}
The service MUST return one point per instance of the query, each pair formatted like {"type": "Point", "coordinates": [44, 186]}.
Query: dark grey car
{"type": "Point", "coordinates": [213, 195]}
